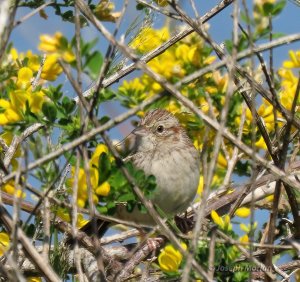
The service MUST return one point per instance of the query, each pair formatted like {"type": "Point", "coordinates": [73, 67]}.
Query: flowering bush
{"type": "Point", "coordinates": [52, 146]}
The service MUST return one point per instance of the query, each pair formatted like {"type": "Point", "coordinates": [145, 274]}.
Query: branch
{"type": "Point", "coordinates": [30, 251]}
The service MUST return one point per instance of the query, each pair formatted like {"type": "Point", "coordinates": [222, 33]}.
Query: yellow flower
{"type": "Point", "coordinates": [216, 218]}
{"type": "Point", "coordinates": [227, 224]}
{"type": "Point", "coordinates": [166, 65]}
{"type": "Point", "coordinates": [244, 239]}
{"type": "Point", "coordinates": [161, 3]}
{"type": "Point", "coordinates": [190, 54]}
{"type": "Point", "coordinates": [262, 2]}
{"type": "Point", "coordinates": [57, 45]}
{"type": "Point", "coordinates": [81, 202]}
{"type": "Point", "coordinates": [266, 111]}
{"type": "Point", "coordinates": [104, 11]}
{"type": "Point", "coordinates": [9, 111]}
{"type": "Point", "coordinates": [181, 53]}
{"type": "Point", "coordinates": [220, 82]}
{"type": "Point", "coordinates": [34, 62]}
{"type": "Point", "coordinates": [8, 116]}
{"type": "Point", "coordinates": [286, 97]}
{"type": "Point", "coordinates": [4, 243]}
{"type": "Point", "coordinates": [149, 38]}
{"type": "Point", "coordinates": [98, 190]}
{"type": "Point", "coordinates": [248, 228]}
{"type": "Point", "coordinates": [13, 53]}
{"type": "Point", "coordinates": [8, 136]}
{"type": "Point", "coordinates": [64, 215]}
{"type": "Point", "coordinates": [173, 107]}
{"type": "Point", "coordinates": [295, 60]}
{"type": "Point", "coordinates": [101, 148]}
{"type": "Point", "coordinates": [209, 60]}
{"type": "Point", "coordinates": [242, 212]}
{"type": "Point", "coordinates": [222, 223]}
{"type": "Point", "coordinates": [24, 77]}
{"type": "Point", "coordinates": [222, 162]}
{"type": "Point", "coordinates": [170, 258]}
{"type": "Point", "coordinates": [82, 185]}
{"type": "Point", "coordinates": [36, 101]}
{"type": "Point", "coordinates": [103, 189]}
{"type": "Point", "coordinates": [198, 144]}
{"type": "Point", "coordinates": [34, 279]}
{"type": "Point", "coordinates": [50, 43]}
{"type": "Point", "coordinates": [51, 69]}
{"type": "Point", "coordinates": [200, 185]}
{"type": "Point", "coordinates": [13, 110]}
{"type": "Point", "coordinates": [10, 188]}
{"type": "Point", "coordinates": [204, 106]}
{"type": "Point", "coordinates": [260, 143]}
{"type": "Point", "coordinates": [289, 79]}
{"type": "Point", "coordinates": [133, 87]}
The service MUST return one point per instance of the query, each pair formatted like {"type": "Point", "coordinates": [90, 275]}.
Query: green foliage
{"type": "Point", "coordinates": [104, 168]}
{"type": "Point", "coordinates": [92, 60]}
{"type": "Point", "coordinates": [273, 9]}
{"type": "Point", "coordinates": [64, 9]}
{"type": "Point", "coordinates": [121, 190]}
{"type": "Point", "coordinates": [50, 111]}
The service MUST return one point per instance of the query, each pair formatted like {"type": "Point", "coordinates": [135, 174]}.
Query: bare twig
{"type": "Point", "coordinates": [8, 11]}
{"type": "Point", "coordinates": [29, 15]}
{"type": "Point", "coordinates": [17, 140]}
{"type": "Point", "coordinates": [31, 252]}
{"type": "Point", "coordinates": [138, 257]}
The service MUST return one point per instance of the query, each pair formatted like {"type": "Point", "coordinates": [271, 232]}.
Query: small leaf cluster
{"type": "Point", "coordinates": [121, 190]}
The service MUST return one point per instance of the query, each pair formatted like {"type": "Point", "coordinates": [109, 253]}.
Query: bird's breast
{"type": "Point", "coordinates": [177, 176]}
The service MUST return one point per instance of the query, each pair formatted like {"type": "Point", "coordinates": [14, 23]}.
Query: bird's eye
{"type": "Point", "coordinates": [160, 129]}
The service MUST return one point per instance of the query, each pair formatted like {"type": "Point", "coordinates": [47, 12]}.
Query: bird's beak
{"type": "Point", "coordinates": [140, 131]}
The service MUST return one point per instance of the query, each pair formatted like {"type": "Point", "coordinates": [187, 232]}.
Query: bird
{"type": "Point", "coordinates": [161, 148]}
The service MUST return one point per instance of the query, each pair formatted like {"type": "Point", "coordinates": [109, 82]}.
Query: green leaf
{"type": "Point", "coordinates": [87, 46]}
{"type": "Point", "coordinates": [117, 179]}
{"type": "Point", "coordinates": [64, 121]}
{"type": "Point", "coordinates": [30, 230]}
{"type": "Point", "coordinates": [142, 208]}
{"type": "Point", "coordinates": [111, 208]}
{"type": "Point", "coordinates": [151, 181]}
{"type": "Point", "coordinates": [57, 94]}
{"type": "Point", "coordinates": [68, 16]}
{"type": "Point", "coordinates": [278, 35]}
{"type": "Point", "coordinates": [229, 45]}
{"type": "Point", "coordinates": [106, 94]}
{"type": "Point", "coordinates": [104, 168]}
{"type": "Point", "coordinates": [68, 105]}
{"type": "Point", "coordinates": [104, 120]}
{"type": "Point", "coordinates": [267, 8]}
{"type": "Point", "coordinates": [130, 206]}
{"type": "Point", "coordinates": [102, 209]}
{"type": "Point", "coordinates": [140, 6]}
{"type": "Point", "coordinates": [94, 63]}
{"type": "Point", "coordinates": [49, 110]}
{"type": "Point", "coordinates": [278, 7]}
{"type": "Point", "coordinates": [126, 197]}
{"type": "Point", "coordinates": [139, 176]}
